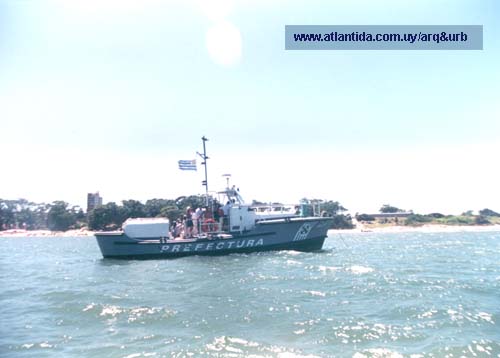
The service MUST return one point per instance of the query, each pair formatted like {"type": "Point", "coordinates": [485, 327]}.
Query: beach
{"type": "Point", "coordinates": [45, 233]}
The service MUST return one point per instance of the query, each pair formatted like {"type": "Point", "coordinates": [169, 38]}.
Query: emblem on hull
{"type": "Point", "coordinates": [303, 231]}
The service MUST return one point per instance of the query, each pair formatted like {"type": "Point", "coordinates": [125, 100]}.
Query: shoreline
{"type": "Point", "coordinates": [428, 228]}
{"type": "Point", "coordinates": [46, 233]}
{"type": "Point", "coordinates": [359, 229]}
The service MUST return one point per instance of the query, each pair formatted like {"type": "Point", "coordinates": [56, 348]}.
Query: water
{"type": "Point", "coordinates": [367, 295]}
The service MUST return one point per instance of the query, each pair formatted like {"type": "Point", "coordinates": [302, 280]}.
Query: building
{"type": "Point", "coordinates": [399, 214]}
{"type": "Point", "coordinates": [385, 218]}
{"type": "Point", "coordinates": [94, 200]}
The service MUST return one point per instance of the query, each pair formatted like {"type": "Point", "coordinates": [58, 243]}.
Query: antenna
{"type": "Point", "coordinates": [227, 176]}
{"type": "Point", "coordinates": [204, 157]}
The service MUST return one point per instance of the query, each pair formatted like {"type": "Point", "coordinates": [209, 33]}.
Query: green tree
{"type": "Point", "coordinates": [59, 218]}
{"type": "Point", "coordinates": [488, 212]}
{"type": "Point", "coordinates": [80, 217]}
{"type": "Point", "coordinates": [328, 208]}
{"type": "Point", "coordinates": [193, 201]}
{"type": "Point", "coordinates": [26, 218]}
{"type": "Point", "coordinates": [7, 218]}
{"type": "Point", "coordinates": [22, 213]}
{"type": "Point", "coordinates": [389, 209]}
{"type": "Point", "coordinates": [40, 212]}
{"type": "Point", "coordinates": [171, 212]}
{"type": "Point", "coordinates": [132, 209]}
{"type": "Point", "coordinates": [481, 220]}
{"type": "Point", "coordinates": [153, 207]}
{"type": "Point", "coordinates": [332, 208]}
{"type": "Point", "coordinates": [342, 221]}
{"type": "Point", "coordinates": [417, 219]}
{"type": "Point", "coordinates": [108, 216]}
{"type": "Point", "coordinates": [2, 218]}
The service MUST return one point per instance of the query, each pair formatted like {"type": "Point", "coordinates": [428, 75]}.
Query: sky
{"type": "Point", "coordinates": [108, 95]}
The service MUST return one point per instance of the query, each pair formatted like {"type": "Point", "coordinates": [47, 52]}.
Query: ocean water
{"type": "Point", "coordinates": [366, 295]}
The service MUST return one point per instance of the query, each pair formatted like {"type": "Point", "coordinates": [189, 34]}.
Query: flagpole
{"type": "Point", "coordinates": [204, 139]}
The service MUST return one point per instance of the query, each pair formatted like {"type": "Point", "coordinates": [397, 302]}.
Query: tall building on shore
{"type": "Point", "coordinates": [94, 200]}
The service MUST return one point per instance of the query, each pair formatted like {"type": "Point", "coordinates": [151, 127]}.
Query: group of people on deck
{"type": "Point", "coordinates": [202, 220]}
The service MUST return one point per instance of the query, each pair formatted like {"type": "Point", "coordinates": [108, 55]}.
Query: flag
{"type": "Point", "coordinates": [187, 164]}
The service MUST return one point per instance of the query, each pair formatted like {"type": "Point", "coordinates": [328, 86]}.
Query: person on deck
{"type": "Point", "coordinates": [189, 223]}
{"type": "Point", "coordinates": [226, 209]}
{"type": "Point", "coordinates": [218, 214]}
{"type": "Point", "coordinates": [197, 218]}
{"type": "Point", "coordinates": [208, 219]}
{"type": "Point", "coordinates": [178, 228]}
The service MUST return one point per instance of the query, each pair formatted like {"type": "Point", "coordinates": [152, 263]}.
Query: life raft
{"type": "Point", "coordinates": [209, 225]}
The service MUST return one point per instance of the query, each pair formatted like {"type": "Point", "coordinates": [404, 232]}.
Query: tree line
{"type": "Point", "coordinates": [61, 216]}
{"type": "Point", "coordinates": [56, 216]}
{"type": "Point", "coordinates": [111, 215]}
{"type": "Point", "coordinates": [484, 217]}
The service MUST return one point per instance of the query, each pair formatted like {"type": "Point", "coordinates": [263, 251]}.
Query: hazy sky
{"type": "Point", "coordinates": [108, 95]}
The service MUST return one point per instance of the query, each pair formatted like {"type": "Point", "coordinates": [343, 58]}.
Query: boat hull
{"type": "Point", "coordinates": [300, 234]}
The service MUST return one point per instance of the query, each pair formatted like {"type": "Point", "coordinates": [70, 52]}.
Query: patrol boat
{"type": "Point", "coordinates": [243, 230]}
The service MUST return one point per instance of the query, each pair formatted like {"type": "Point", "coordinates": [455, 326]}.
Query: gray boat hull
{"type": "Point", "coordinates": [301, 234]}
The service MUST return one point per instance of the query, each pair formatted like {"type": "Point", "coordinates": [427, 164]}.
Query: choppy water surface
{"type": "Point", "coordinates": [367, 295]}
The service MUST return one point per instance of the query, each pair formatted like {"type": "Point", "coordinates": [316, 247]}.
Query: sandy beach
{"type": "Point", "coordinates": [45, 233]}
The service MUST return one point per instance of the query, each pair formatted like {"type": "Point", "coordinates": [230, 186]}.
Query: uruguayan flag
{"type": "Point", "coordinates": [187, 164]}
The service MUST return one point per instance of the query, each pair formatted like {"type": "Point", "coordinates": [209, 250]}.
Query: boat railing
{"type": "Point", "coordinates": [275, 209]}
{"type": "Point", "coordinates": [210, 226]}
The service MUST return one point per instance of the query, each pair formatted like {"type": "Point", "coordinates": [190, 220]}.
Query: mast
{"type": "Point", "coordinates": [204, 157]}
